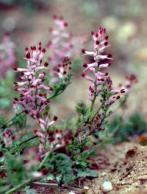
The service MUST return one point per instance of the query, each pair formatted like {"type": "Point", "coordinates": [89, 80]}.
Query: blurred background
{"type": "Point", "coordinates": [29, 21]}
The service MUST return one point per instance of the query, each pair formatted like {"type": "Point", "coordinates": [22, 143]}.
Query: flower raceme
{"type": "Point", "coordinates": [96, 72]}
{"type": "Point", "coordinates": [32, 87]}
{"type": "Point", "coordinates": [62, 70]}
{"type": "Point", "coordinates": [61, 45]}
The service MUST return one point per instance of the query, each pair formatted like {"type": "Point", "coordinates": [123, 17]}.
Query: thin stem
{"type": "Point", "coordinates": [92, 103]}
{"type": "Point", "coordinates": [94, 98]}
{"type": "Point", "coordinates": [25, 141]}
{"type": "Point", "coordinates": [44, 160]}
{"type": "Point", "coordinates": [10, 121]}
{"type": "Point", "coordinates": [29, 181]}
{"type": "Point", "coordinates": [21, 185]}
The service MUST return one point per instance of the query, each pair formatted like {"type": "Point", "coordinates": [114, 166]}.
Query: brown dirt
{"type": "Point", "coordinates": [127, 171]}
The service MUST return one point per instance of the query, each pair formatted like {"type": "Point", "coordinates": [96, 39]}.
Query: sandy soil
{"type": "Point", "coordinates": [126, 170]}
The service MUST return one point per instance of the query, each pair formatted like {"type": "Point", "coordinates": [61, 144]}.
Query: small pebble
{"type": "Point", "coordinates": [71, 192]}
{"type": "Point", "coordinates": [107, 186]}
{"type": "Point", "coordinates": [86, 188]}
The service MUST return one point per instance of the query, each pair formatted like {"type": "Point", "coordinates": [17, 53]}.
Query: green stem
{"type": "Point", "coordinates": [94, 98]}
{"type": "Point", "coordinates": [10, 123]}
{"type": "Point", "coordinates": [25, 141]}
{"type": "Point", "coordinates": [29, 181]}
{"type": "Point", "coordinates": [92, 103]}
{"type": "Point", "coordinates": [44, 160]}
{"type": "Point", "coordinates": [21, 185]}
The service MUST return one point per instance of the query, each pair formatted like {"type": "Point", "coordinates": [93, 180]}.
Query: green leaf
{"type": "Point", "coordinates": [81, 108]}
{"type": "Point", "coordinates": [2, 122]}
{"type": "Point", "coordinates": [61, 164]}
{"type": "Point", "coordinates": [15, 170]}
{"type": "Point", "coordinates": [19, 120]}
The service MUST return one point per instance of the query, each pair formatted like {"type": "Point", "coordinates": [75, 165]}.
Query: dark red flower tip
{"type": "Point", "coordinates": [39, 48]}
{"type": "Point", "coordinates": [15, 83]}
{"type": "Point", "coordinates": [106, 37]}
{"type": "Point", "coordinates": [56, 131]}
{"type": "Point", "coordinates": [65, 24]}
{"type": "Point", "coordinates": [96, 35]}
{"type": "Point", "coordinates": [46, 64]}
{"type": "Point", "coordinates": [122, 91]}
{"type": "Point", "coordinates": [33, 48]}
{"type": "Point", "coordinates": [43, 50]}
{"type": "Point", "coordinates": [2, 174]}
{"type": "Point", "coordinates": [26, 111]}
{"type": "Point", "coordinates": [16, 99]}
{"type": "Point", "coordinates": [28, 56]}
{"type": "Point", "coordinates": [83, 74]}
{"type": "Point", "coordinates": [15, 68]}
{"type": "Point", "coordinates": [44, 171]}
{"type": "Point", "coordinates": [51, 89]}
{"type": "Point", "coordinates": [118, 97]}
{"type": "Point", "coordinates": [85, 65]}
{"type": "Point", "coordinates": [109, 55]}
{"type": "Point", "coordinates": [106, 43]}
{"type": "Point", "coordinates": [92, 33]}
{"type": "Point", "coordinates": [26, 49]}
{"type": "Point", "coordinates": [83, 51]}
{"type": "Point", "coordinates": [35, 131]}
{"type": "Point", "coordinates": [97, 42]}
{"type": "Point", "coordinates": [13, 137]}
{"type": "Point", "coordinates": [1, 154]}
{"type": "Point", "coordinates": [64, 73]}
{"type": "Point", "coordinates": [38, 115]}
{"type": "Point", "coordinates": [55, 118]}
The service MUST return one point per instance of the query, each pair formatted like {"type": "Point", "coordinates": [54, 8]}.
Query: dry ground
{"type": "Point", "coordinates": [127, 171]}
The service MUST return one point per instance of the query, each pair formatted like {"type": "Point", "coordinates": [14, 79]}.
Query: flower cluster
{"type": "Point", "coordinates": [96, 72]}
{"type": "Point", "coordinates": [32, 87]}
{"type": "Point", "coordinates": [7, 55]}
{"type": "Point", "coordinates": [62, 70]}
{"type": "Point", "coordinates": [61, 45]}
{"type": "Point", "coordinates": [8, 137]}
{"type": "Point", "coordinates": [60, 139]}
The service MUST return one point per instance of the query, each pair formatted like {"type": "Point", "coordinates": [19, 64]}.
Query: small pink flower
{"type": "Point", "coordinates": [61, 45]}
{"type": "Point", "coordinates": [96, 71]}
{"type": "Point", "coordinates": [32, 88]}
{"type": "Point", "coordinates": [62, 70]}
{"type": "Point", "coordinates": [8, 137]}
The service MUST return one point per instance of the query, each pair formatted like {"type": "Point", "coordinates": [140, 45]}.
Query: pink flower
{"type": "Point", "coordinates": [8, 137]}
{"type": "Point", "coordinates": [101, 58]}
{"type": "Point", "coordinates": [96, 72]}
{"type": "Point", "coordinates": [60, 139]}
{"type": "Point", "coordinates": [32, 88]}
{"type": "Point", "coordinates": [62, 70]}
{"type": "Point", "coordinates": [61, 45]}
